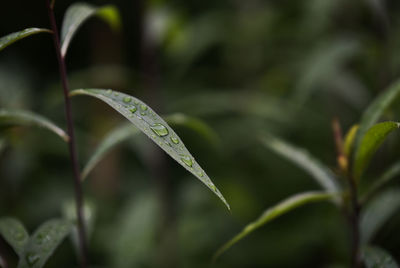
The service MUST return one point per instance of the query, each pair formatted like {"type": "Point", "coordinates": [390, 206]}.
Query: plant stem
{"type": "Point", "coordinates": [354, 224]}
{"type": "Point", "coordinates": [72, 142]}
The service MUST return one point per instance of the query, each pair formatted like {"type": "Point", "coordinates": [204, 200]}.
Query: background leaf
{"type": "Point", "coordinates": [19, 117]}
{"type": "Point", "coordinates": [14, 37]}
{"type": "Point", "coordinates": [126, 131]}
{"type": "Point", "coordinates": [14, 232]}
{"type": "Point", "coordinates": [371, 141]}
{"type": "Point", "coordinates": [78, 13]}
{"type": "Point", "coordinates": [44, 242]}
{"type": "Point", "coordinates": [375, 257]}
{"type": "Point", "coordinates": [322, 174]}
{"type": "Point", "coordinates": [144, 118]}
{"type": "Point", "coordinates": [374, 112]}
{"type": "Point", "coordinates": [377, 212]}
{"type": "Point", "coordinates": [274, 212]}
{"type": "Point", "coordinates": [387, 176]}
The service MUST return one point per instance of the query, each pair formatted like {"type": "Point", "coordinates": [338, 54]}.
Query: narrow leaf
{"type": "Point", "coordinates": [274, 212]}
{"type": "Point", "coordinates": [14, 232]}
{"type": "Point", "coordinates": [78, 13]}
{"type": "Point", "coordinates": [377, 212]}
{"type": "Point", "coordinates": [126, 131]}
{"type": "Point", "coordinates": [371, 141]}
{"type": "Point", "coordinates": [43, 243]}
{"type": "Point", "coordinates": [322, 174]}
{"type": "Point", "coordinates": [26, 118]}
{"type": "Point", "coordinates": [145, 119]}
{"type": "Point", "coordinates": [374, 112]}
{"type": "Point", "coordinates": [390, 174]}
{"type": "Point", "coordinates": [349, 140]}
{"type": "Point", "coordinates": [14, 37]}
{"type": "Point", "coordinates": [375, 257]}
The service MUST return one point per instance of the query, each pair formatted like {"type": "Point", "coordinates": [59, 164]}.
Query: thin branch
{"type": "Point", "coordinates": [71, 143]}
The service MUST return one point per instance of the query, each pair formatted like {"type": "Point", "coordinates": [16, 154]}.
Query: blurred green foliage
{"type": "Point", "coordinates": [243, 67]}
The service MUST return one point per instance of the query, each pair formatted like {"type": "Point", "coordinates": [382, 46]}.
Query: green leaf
{"type": "Point", "coordinates": [375, 257]}
{"type": "Point", "coordinates": [349, 140]}
{"type": "Point", "coordinates": [112, 139]}
{"type": "Point", "coordinates": [274, 212]}
{"type": "Point", "coordinates": [7, 40]}
{"type": "Point", "coordinates": [14, 232]}
{"type": "Point", "coordinates": [322, 174]}
{"type": "Point", "coordinates": [78, 13]}
{"type": "Point", "coordinates": [26, 118]}
{"type": "Point", "coordinates": [390, 174]}
{"type": "Point", "coordinates": [126, 131]}
{"type": "Point", "coordinates": [374, 112]}
{"type": "Point", "coordinates": [145, 119]}
{"type": "Point", "coordinates": [89, 217]}
{"type": "Point", "coordinates": [371, 141]}
{"type": "Point", "coordinates": [43, 243]}
{"type": "Point", "coordinates": [377, 212]}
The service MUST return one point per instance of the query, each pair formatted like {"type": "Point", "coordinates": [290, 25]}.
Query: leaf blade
{"type": "Point", "coordinates": [377, 212]}
{"type": "Point", "coordinates": [370, 143]}
{"type": "Point", "coordinates": [151, 124]}
{"type": "Point", "coordinates": [374, 112]}
{"type": "Point", "coordinates": [124, 132]}
{"type": "Point", "coordinates": [26, 118]}
{"type": "Point", "coordinates": [78, 13]}
{"type": "Point", "coordinates": [377, 257]}
{"type": "Point", "coordinates": [11, 38]}
{"type": "Point", "coordinates": [14, 232]}
{"type": "Point", "coordinates": [304, 160]}
{"type": "Point", "coordinates": [44, 242]}
{"type": "Point", "coordinates": [274, 212]}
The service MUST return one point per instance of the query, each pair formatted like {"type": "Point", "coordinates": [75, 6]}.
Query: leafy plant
{"type": "Point", "coordinates": [34, 251]}
{"type": "Point", "coordinates": [353, 158]}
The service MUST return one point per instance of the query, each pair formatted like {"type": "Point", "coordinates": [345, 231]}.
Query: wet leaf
{"type": "Point", "coordinates": [322, 174]}
{"type": "Point", "coordinates": [43, 243]}
{"type": "Point", "coordinates": [274, 212]}
{"type": "Point", "coordinates": [78, 13]}
{"type": "Point", "coordinates": [14, 232]}
{"type": "Point", "coordinates": [151, 124]}
{"type": "Point", "coordinates": [371, 141]}
{"type": "Point", "coordinates": [7, 40]}
{"type": "Point", "coordinates": [126, 131]}
{"type": "Point", "coordinates": [27, 118]}
{"type": "Point", "coordinates": [375, 257]}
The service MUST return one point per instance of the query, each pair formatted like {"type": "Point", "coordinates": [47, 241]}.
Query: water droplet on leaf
{"type": "Point", "coordinates": [32, 258]}
{"type": "Point", "coordinates": [127, 99]}
{"type": "Point", "coordinates": [132, 109]}
{"type": "Point", "coordinates": [159, 129]}
{"type": "Point", "coordinates": [175, 140]}
{"type": "Point", "coordinates": [143, 107]}
{"type": "Point", "coordinates": [187, 160]}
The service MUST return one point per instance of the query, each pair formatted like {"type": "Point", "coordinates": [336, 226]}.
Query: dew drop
{"type": "Point", "coordinates": [200, 173]}
{"type": "Point", "coordinates": [109, 91]}
{"type": "Point", "coordinates": [127, 99]}
{"type": "Point", "coordinates": [159, 129]}
{"type": "Point", "coordinates": [187, 160]}
{"type": "Point", "coordinates": [143, 107]}
{"type": "Point", "coordinates": [116, 94]}
{"type": "Point", "coordinates": [132, 109]}
{"type": "Point", "coordinates": [175, 140]}
{"type": "Point", "coordinates": [32, 258]}
{"type": "Point", "coordinates": [213, 187]}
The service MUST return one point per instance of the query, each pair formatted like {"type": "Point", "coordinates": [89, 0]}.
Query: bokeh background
{"type": "Point", "coordinates": [243, 67]}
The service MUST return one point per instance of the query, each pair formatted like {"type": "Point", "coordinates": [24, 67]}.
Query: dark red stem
{"type": "Point", "coordinates": [71, 142]}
